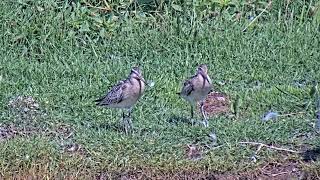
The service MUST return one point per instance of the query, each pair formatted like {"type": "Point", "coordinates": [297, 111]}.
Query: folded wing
{"type": "Point", "coordinates": [187, 88]}
{"type": "Point", "coordinates": [114, 96]}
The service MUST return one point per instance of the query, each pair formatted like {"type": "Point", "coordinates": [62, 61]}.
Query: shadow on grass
{"type": "Point", "coordinates": [178, 119]}
{"type": "Point", "coordinates": [112, 126]}
{"type": "Point", "coordinates": [311, 154]}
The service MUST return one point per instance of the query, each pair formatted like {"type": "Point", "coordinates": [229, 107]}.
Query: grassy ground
{"type": "Point", "coordinates": [65, 58]}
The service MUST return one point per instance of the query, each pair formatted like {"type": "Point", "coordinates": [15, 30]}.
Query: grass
{"type": "Point", "coordinates": [48, 52]}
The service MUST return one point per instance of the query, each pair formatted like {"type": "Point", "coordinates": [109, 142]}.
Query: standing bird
{"type": "Point", "coordinates": [124, 95]}
{"type": "Point", "coordinates": [196, 88]}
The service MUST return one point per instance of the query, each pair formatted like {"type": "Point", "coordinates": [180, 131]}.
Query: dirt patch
{"type": "Point", "coordinates": [62, 131]}
{"type": "Point", "coordinates": [64, 136]}
{"type": "Point", "coordinates": [271, 170]}
{"type": "Point", "coordinates": [9, 131]}
{"type": "Point", "coordinates": [216, 103]}
{"type": "Point", "coordinates": [24, 105]}
{"type": "Point", "coordinates": [193, 153]}
{"type": "Point", "coordinates": [276, 171]}
{"type": "Point", "coordinates": [27, 112]}
{"type": "Point", "coordinates": [75, 149]}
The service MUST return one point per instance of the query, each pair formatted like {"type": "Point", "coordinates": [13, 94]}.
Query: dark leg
{"type": "Point", "coordinates": [192, 115]}
{"type": "Point", "coordinates": [130, 119]}
{"type": "Point", "coordinates": [125, 122]}
{"type": "Point", "coordinates": [129, 112]}
{"type": "Point", "coordinates": [191, 109]}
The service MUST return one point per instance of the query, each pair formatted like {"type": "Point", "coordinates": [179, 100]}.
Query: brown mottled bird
{"type": "Point", "coordinates": [124, 95]}
{"type": "Point", "coordinates": [196, 88]}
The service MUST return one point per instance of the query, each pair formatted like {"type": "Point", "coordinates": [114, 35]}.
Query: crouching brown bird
{"type": "Point", "coordinates": [196, 88]}
{"type": "Point", "coordinates": [124, 95]}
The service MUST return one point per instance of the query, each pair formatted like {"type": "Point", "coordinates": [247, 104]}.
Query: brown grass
{"type": "Point", "coordinates": [271, 170]}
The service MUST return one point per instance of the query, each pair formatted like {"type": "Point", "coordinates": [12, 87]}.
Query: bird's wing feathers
{"type": "Point", "coordinates": [114, 96]}
{"type": "Point", "coordinates": [187, 88]}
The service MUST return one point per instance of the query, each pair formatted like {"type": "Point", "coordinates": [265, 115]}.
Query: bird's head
{"type": "Point", "coordinates": [203, 68]}
{"type": "Point", "coordinates": [136, 72]}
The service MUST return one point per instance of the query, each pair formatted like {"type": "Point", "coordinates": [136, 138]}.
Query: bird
{"type": "Point", "coordinates": [196, 88]}
{"type": "Point", "coordinates": [124, 95]}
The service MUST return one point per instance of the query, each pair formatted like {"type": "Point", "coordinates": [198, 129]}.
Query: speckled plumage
{"type": "Point", "coordinates": [124, 95]}
{"type": "Point", "coordinates": [196, 88]}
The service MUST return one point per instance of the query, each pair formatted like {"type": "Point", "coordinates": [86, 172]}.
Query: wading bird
{"type": "Point", "coordinates": [196, 88]}
{"type": "Point", "coordinates": [124, 95]}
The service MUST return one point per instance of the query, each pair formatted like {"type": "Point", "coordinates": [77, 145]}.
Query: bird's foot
{"type": "Point", "coordinates": [127, 125]}
{"type": "Point", "coordinates": [193, 122]}
{"type": "Point", "coordinates": [205, 123]}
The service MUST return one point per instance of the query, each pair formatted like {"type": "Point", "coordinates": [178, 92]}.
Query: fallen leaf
{"type": "Point", "coordinates": [40, 9]}
{"type": "Point", "coordinates": [270, 115]}
{"type": "Point", "coordinates": [176, 7]}
{"type": "Point", "coordinates": [150, 83]}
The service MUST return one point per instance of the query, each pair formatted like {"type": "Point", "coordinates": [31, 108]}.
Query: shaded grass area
{"type": "Point", "coordinates": [47, 54]}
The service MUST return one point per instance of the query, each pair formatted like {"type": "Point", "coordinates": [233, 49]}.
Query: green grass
{"type": "Point", "coordinates": [45, 53]}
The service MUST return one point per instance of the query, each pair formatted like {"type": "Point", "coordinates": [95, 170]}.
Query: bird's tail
{"type": "Point", "coordinates": [98, 101]}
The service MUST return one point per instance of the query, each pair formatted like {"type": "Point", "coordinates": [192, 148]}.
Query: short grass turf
{"type": "Point", "coordinates": [57, 55]}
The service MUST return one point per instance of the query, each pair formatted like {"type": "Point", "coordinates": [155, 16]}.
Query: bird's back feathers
{"type": "Point", "coordinates": [115, 95]}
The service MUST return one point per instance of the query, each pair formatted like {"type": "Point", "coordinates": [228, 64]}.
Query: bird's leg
{"type": "Point", "coordinates": [192, 115]}
{"type": "Point", "coordinates": [130, 118]}
{"type": "Point", "coordinates": [123, 115]}
{"type": "Point", "coordinates": [124, 122]}
{"type": "Point", "coordinates": [191, 112]}
{"type": "Point", "coordinates": [205, 120]}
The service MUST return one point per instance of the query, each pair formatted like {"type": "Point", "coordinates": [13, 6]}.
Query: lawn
{"type": "Point", "coordinates": [58, 57]}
